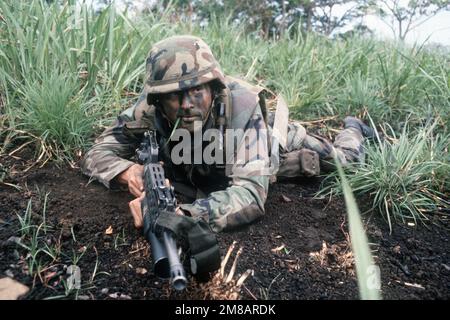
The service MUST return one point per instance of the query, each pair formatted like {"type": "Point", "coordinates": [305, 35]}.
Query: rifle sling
{"type": "Point", "coordinates": [204, 249]}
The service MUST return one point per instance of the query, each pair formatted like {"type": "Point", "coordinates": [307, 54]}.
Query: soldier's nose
{"type": "Point", "coordinates": [186, 102]}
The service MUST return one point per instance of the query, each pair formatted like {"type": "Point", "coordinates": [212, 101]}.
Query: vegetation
{"type": "Point", "coordinates": [407, 178]}
{"type": "Point", "coordinates": [369, 282]}
{"type": "Point", "coordinates": [66, 72]}
{"type": "Point", "coordinates": [43, 257]}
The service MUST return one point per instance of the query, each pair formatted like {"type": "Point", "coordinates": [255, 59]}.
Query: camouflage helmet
{"type": "Point", "coordinates": [178, 63]}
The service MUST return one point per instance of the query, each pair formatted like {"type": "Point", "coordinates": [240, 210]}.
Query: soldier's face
{"type": "Point", "coordinates": [189, 106]}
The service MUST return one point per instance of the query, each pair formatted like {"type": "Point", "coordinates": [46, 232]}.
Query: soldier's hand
{"type": "Point", "coordinates": [133, 178]}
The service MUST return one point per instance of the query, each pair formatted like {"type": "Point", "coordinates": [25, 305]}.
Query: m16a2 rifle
{"type": "Point", "coordinates": [159, 200]}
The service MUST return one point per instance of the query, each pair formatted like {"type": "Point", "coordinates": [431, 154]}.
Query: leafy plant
{"type": "Point", "coordinates": [405, 178]}
{"type": "Point", "coordinates": [369, 282]}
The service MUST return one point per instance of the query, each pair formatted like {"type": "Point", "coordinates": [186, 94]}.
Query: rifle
{"type": "Point", "coordinates": [159, 199]}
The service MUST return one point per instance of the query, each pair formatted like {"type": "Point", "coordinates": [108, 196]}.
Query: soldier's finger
{"type": "Point", "coordinates": [134, 190]}
{"type": "Point", "coordinates": [140, 183]}
{"type": "Point", "coordinates": [135, 209]}
{"type": "Point", "coordinates": [136, 179]}
{"type": "Point", "coordinates": [136, 186]}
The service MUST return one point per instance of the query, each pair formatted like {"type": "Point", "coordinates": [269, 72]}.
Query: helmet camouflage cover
{"type": "Point", "coordinates": [180, 62]}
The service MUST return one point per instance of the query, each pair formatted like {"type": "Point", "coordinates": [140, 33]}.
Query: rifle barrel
{"type": "Point", "coordinates": [177, 274]}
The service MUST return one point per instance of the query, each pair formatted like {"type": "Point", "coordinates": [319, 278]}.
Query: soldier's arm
{"type": "Point", "coordinates": [242, 202]}
{"type": "Point", "coordinates": [238, 205]}
{"type": "Point", "coordinates": [111, 153]}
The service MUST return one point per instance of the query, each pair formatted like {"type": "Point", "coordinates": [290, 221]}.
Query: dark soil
{"type": "Point", "coordinates": [315, 262]}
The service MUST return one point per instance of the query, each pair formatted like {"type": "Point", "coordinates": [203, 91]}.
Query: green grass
{"type": "Point", "coordinates": [45, 260]}
{"type": "Point", "coordinates": [63, 72]}
{"type": "Point", "coordinates": [406, 179]}
{"type": "Point", "coordinates": [101, 56]}
{"type": "Point", "coordinates": [53, 109]}
{"type": "Point", "coordinates": [37, 252]}
{"type": "Point", "coordinates": [369, 281]}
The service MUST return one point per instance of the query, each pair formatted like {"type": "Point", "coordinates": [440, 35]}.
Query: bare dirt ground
{"type": "Point", "coordinates": [299, 250]}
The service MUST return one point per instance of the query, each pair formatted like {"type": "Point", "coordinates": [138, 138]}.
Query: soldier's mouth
{"type": "Point", "coordinates": [189, 119]}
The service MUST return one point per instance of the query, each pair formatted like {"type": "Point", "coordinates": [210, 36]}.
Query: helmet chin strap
{"type": "Point", "coordinates": [209, 112]}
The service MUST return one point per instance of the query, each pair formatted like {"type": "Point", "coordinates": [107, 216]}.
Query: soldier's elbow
{"type": "Point", "coordinates": [239, 219]}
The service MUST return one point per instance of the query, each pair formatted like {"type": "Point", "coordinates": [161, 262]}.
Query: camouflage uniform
{"type": "Point", "coordinates": [226, 202]}
{"type": "Point", "coordinates": [347, 147]}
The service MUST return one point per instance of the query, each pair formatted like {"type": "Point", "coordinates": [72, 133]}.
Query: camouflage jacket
{"type": "Point", "coordinates": [226, 202]}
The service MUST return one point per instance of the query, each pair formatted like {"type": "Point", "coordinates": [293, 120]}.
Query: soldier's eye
{"type": "Point", "coordinates": [197, 88]}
